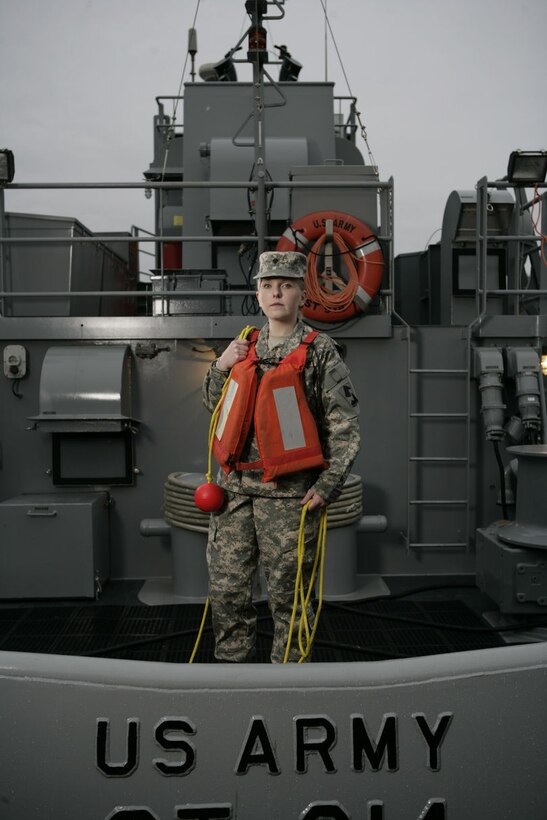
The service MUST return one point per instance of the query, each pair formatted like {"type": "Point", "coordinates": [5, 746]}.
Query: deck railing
{"type": "Point", "coordinates": [384, 188]}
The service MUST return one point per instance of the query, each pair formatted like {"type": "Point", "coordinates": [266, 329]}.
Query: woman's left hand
{"type": "Point", "coordinates": [316, 500]}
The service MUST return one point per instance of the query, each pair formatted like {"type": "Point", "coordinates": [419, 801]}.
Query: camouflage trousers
{"type": "Point", "coordinates": [249, 527]}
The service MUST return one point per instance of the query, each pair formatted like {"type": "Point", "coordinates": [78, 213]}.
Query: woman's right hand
{"type": "Point", "coordinates": [234, 353]}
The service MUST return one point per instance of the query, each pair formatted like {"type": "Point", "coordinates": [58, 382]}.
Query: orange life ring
{"type": "Point", "coordinates": [333, 298]}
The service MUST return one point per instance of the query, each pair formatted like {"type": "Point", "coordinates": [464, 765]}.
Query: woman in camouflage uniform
{"type": "Point", "coordinates": [263, 518]}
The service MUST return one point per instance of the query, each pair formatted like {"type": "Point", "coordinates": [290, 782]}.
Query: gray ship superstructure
{"type": "Point", "coordinates": [104, 439]}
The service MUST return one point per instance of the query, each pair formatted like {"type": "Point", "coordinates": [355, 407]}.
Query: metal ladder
{"type": "Point", "coordinates": [416, 416]}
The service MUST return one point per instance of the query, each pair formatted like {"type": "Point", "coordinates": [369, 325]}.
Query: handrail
{"type": "Point", "coordinates": [482, 238]}
{"type": "Point", "coordinates": [147, 294]}
{"type": "Point", "coordinates": [386, 203]}
{"type": "Point", "coordinates": [339, 183]}
{"type": "Point", "coordinates": [39, 240]}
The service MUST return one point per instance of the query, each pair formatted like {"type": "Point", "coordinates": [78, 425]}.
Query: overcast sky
{"type": "Point", "coordinates": [446, 89]}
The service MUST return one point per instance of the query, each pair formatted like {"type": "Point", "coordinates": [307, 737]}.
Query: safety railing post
{"type": "Point", "coordinates": [3, 233]}
{"type": "Point", "coordinates": [481, 245]}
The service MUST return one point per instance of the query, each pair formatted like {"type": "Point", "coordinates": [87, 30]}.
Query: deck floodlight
{"type": "Point", "coordinates": [290, 68]}
{"type": "Point", "coordinates": [207, 72]}
{"type": "Point", "coordinates": [527, 167]}
{"type": "Point", "coordinates": [7, 166]}
{"type": "Point", "coordinates": [225, 69]}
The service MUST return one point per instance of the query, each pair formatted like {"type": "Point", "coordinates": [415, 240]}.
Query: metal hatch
{"type": "Point", "coordinates": [85, 388]}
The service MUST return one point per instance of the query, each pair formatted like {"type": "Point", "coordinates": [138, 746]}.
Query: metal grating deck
{"type": "Point", "coordinates": [360, 631]}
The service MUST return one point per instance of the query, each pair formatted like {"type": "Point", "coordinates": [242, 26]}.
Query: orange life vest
{"type": "Point", "coordinates": [285, 428]}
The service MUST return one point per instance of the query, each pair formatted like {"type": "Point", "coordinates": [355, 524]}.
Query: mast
{"type": "Point", "coordinates": [258, 55]}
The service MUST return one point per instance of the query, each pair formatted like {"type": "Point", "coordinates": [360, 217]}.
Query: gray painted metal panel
{"type": "Point", "coordinates": [85, 380]}
{"type": "Point", "coordinates": [64, 267]}
{"type": "Point", "coordinates": [466, 732]}
{"type": "Point", "coordinates": [229, 162]}
{"type": "Point", "coordinates": [361, 203]}
{"type": "Point", "coordinates": [54, 545]}
{"type": "Point", "coordinates": [165, 327]}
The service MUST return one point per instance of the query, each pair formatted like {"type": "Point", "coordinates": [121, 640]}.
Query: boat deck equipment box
{"type": "Point", "coordinates": [65, 267]}
{"type": "Point", "coordinates": [54, 545]}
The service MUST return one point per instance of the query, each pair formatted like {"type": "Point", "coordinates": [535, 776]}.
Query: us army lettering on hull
{"type": "Point", "coordinates": [315, 736]}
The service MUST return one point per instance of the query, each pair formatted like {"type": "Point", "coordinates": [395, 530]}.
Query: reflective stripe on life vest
{"type": "Point", "coordinates": [290, 423]}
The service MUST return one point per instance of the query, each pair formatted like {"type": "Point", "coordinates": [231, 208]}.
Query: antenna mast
{"type": "Point", "coordinates": [326, 39]}
{"type": "Point", "coordinates": [192, 51]}
{"type": "Point", "coordinates": [258, 55]}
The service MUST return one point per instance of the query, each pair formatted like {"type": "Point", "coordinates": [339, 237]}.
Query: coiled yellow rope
{"type": "Point", "coordinates": [305, 646]}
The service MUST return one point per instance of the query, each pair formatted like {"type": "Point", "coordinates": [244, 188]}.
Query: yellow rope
{"type": "Point", "coordinates": [305, 644]}
{"type": "Point", "coordinates": [319, 559]}
{"type": "Point", "coordinates": [200, 632]}
{"type": "Point", "coordinates": [209, 475]}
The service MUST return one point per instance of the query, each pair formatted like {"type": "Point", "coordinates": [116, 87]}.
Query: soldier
{"type": "Point", "coordinates": [298, 447]}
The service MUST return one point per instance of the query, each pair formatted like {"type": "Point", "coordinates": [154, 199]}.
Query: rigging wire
{"type": "Point", "coordinates": [326, 38]}
{"type": "Point", "coordinates": [357, 113]}
{"type": "Point", "coordinates": [171, 129]}
{"type": "Point", "coordinates": [176, 101]}
{"type": "Point", "coordinates": [437, 230]}
{"type": "Point", "coordinates": [170, 134]}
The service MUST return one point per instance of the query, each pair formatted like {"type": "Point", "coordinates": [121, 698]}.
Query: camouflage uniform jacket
{"type": "Point", "coordinates": [333, 402]}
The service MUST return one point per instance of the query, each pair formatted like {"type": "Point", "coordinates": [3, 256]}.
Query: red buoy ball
{"type": "Point", "coordinates": [209, 497]}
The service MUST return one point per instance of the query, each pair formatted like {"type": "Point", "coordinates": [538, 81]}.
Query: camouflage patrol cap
{"type": "Point", "coordinates": [282, 264]}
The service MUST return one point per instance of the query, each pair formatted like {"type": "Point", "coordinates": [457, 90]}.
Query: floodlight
{"type": "Point", "coordinates": [7, 166]}
{"type": "Point", "coordinates": [207, 72]}
{"type": "Point", "coordinates": [527, 167]}
{"type": "Point", "coordinates": [225, 69]}
{"type": "Point", "coordinates": [290, 69]}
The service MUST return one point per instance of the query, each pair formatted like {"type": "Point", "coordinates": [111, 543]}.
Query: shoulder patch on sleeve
{"type": "Point", "coordinates": [338, 382]}
{"type": "Point", "coordinates": [335, 375]}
